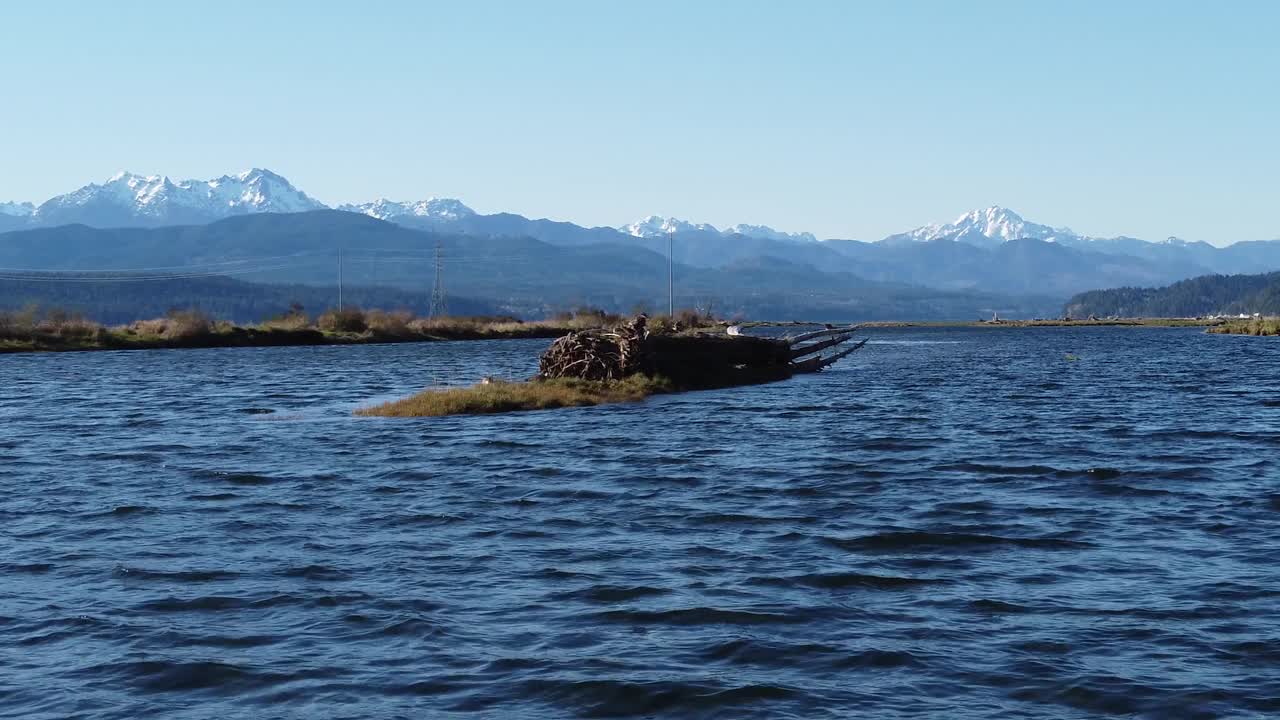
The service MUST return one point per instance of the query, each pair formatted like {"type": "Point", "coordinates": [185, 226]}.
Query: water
{"type": "Point", "coordinates": [955, 523]}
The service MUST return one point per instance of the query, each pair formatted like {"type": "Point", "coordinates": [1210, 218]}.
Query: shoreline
{"type": "Point", "coordinates": [115, 339]}
{"type": "Point", "coordinates": [243, 337]}
{"type": "Point", "coordinates": [1117, 322]}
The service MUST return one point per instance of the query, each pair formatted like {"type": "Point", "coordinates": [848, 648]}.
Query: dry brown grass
{"type": "Point", "coordinates": [57, 326]}
{"type": "Point", "coordinates": [295, 319]}
{"type": "Point", "coordinates": [347, 320]}
{"type": "Point", "coordinates": [178, 325]}
{"type": "Point", "coordinates": [1251, 326]}
{"type": "Point", "coordinates": [507, 397]}
{"type": "Point", "coordinates": [394, 323]}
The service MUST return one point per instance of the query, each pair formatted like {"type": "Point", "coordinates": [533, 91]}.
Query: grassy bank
{"type": "Point", "coordinates": [33, 330]}
{"type": "Point", "coordinates": [1249, 326]}
{"type": "Point", "coordinates": [1108, 322]}
{"type": "Point", "coordinates": [497, 397]}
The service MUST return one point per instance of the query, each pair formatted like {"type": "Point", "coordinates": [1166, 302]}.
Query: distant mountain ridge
{"type": "Point", "coordinates": [657, 226]}
{"type": "Point", "coordinates": [991, 250]}
{"type": "Point", "coordinates": [130, 200]}
{"type": "Point", "coordinates": [444, 209]}
{"type": "Point", "coordinates": [517, 274]}
{"type": "Point", "coordinates": [16, 209]}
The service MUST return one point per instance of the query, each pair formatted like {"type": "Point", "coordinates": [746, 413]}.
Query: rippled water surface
{"type": "Point", "coordinates": [953, 523]}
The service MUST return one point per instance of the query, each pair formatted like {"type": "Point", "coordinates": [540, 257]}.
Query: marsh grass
{"type": "Point", "coordinates": [498, 397]}
{"type": "Point", "coordinates": [33, 329]}
{"type": "Point", "coordinates": [1250, 326]}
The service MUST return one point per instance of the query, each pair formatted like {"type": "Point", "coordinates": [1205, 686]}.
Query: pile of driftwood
{"type": "Point", "coordinates": [696, 361]}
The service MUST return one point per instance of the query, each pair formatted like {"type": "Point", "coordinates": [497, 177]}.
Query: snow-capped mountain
{"type": "Point", "coordinates": [16, 209]}
{"type": "Point", "coordinates": [444, 209]}
{"type": "Point", "coordinates": [765, 232]}
{"type": "Point", "coordinates": [657, 226]}
{"type": "Point", "coordinates": [127, 199]}
{"type": "Point", "coordinates": [988, 227]}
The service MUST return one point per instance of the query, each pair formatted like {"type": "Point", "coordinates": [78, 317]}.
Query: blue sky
{"type": "Point", "coordinates": [847, 119]}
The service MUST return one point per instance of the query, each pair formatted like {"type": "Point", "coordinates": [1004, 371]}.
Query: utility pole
{"type": "Point", "coordinates": [439, 306]}
{"type": "Point", "coordinates": [339, 279]}
{"type": "Point", "coordinates": [671, 275]}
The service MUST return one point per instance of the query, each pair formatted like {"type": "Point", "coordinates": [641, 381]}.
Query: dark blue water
{"type": "Point", "coordinates": [952, 523]}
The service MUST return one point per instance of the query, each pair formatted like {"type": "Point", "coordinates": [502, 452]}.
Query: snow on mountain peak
{"type": "Point", "coordinates": [17, 209]}
{"type": "Point", "coordinates": [988, 226]}
{"type": "Point", "coordinates": [765, 232]}
{"type": "Point", "coordinates": [657, 226]}
{"type": "Point", "coordinates": [435, 208]}
{"type": "Point", "coordinates": [154, 199]}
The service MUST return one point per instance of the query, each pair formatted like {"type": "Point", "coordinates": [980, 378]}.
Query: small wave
{"type": "Point", "coordinates": [31, 568]}
{"type": "Point", "coordinates": [699, 616]}
{"type": "Point", "coordinates": [621, 698]}
{"type": "Point", "coordinates": [764, 653]}
{"type": "Point", "coordinates": [233, 478]}
{"type": "Point", "coordinates": [558, 574]}
{"type": "Point", "coordinates": [914, 540]}
{"type": "Point", "coordinates": [163, 676]}
{"type": "Point", "coordinates": [130, 510]}
{"type": "Point", "coordinates": [1120, 490]}
{"type": "Point", "coordinates": [717, 518]}
{"type": "Point", "coordinates": [604, 594]}
{"type": "Point", "coordinates": [999, 607]}
{"type": "Point", "coordinates": [315, 572]}
{"type": "Point", "coordinates": [214, 603]}
{"type": "Point", "coordinates": [842, 581]}
{"type": "Point", "coordinates": [428, 519]}
{"type": "Point", "coordinates": [185, 576]}
{"type": "Point", "coordinates": [984, 469]}
{"type": "Point", "coordinates": [214, 497]}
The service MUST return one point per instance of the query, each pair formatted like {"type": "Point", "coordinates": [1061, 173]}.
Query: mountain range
{"type": "Point", "coordinates": [991, 251]}
{"type": "Point", "coordinates": [511, 274]}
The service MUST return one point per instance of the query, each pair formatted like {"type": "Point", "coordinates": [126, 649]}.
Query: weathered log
{"type": "Point", "coordinates": [821, 333]}
{"type": "Point", "coordinates": [801, 351]}
{"type": "Point", "coordinates": [815, 364]}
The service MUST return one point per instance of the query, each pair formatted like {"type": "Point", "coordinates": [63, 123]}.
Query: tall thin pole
{"type": "Point", "coordinates": [671, 275]}
{"type": "Point", "coordinates": [339, 279]}
{"type": "Point", "coordinates": [439, 303]}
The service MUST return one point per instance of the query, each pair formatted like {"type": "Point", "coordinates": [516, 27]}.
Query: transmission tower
{"type": "Point", "coordinates": [439, 303]}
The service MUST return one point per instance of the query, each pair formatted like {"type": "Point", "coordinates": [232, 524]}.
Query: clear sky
{"type": "Point", "coordinates": [847, 119]}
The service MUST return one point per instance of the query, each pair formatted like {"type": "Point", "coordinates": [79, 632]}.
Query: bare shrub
{"type": "Point", "coordinates": [295, 319]}
{"type": "Point", "coordinates": [350, 320]}
{"type": "Point", "coordinates": [186, 324]}
{"type": "Point", "coordinates": [395, 323]}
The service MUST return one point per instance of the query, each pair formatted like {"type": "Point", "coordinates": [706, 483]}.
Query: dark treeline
{"type": "Point", "coordinates": [120, 302]}
{"type": "Point", "coordinates": [1206, 295]}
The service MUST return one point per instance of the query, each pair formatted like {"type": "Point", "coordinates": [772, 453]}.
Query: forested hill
{"type": "Point", "coordinates": [1205, 295]}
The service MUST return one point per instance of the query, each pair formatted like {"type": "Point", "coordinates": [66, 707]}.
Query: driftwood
{"type": "Point", "coordinates": [691, 361]}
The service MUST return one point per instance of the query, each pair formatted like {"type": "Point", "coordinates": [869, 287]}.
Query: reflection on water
{"type": "Point", "coordinates": [955, 523]}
